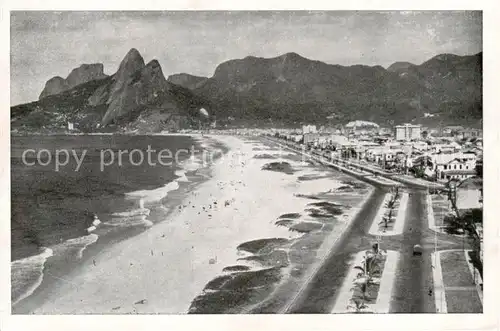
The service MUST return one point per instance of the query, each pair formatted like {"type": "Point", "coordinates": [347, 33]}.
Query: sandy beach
{"type": "Point", "coordinates": [163, 269]}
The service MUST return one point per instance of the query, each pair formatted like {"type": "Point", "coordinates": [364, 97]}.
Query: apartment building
{"type": "Point", "coordinates": [407, 132]}
{"type": "Point", "coordinates": [309, 129]}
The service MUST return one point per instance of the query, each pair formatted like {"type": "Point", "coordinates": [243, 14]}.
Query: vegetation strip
{"type": "Point", "coordinates": [368, 286]}
{"type": "Point", "coordinates": [437, 276]}
{"type": "Point", "coordinates": [400, 218]}
{"type": "Point", "coordinates": [374, 229]}
{"type": "Point", "coordinates": [387, 225]}
{"type": "Point", "coordinates": [345, 293]}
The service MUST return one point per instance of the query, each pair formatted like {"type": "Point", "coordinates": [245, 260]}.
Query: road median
{"type": "Point", "coordinates": [391, 217]}
{"type": "Point", "coordinates": [369, 284]}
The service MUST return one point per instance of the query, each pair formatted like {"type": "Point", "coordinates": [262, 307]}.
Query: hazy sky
{"type": "Point", "coordinates": [47, 44]}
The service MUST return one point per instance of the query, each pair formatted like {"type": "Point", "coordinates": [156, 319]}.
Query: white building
{"type": "Point", "coordinates": [309, 129]}
{"type": "Point", "coordinates": [408, 132]}
{"type": "Point", "coordinates": [310, 138]}
{"type": "Point", "coordinates": [381, 154]}
{"type": "Point", "coordinates": [454, 166]}
{"type": "Point", "coordinates": [337, 140]}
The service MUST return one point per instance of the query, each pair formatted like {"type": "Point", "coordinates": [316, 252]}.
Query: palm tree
{"type": "Point", "coordinates": [365, 278]}
{"type": "Point", "coordinates": [389, 218]}
{"type": "Point", "coordinates": [396, 193]}
{"type": "Point", "coordinates": [386, 220]}
{"type": "Point", "coordinates": [390, 203]}
{"type": "Point", "coordinates": [371, 263]}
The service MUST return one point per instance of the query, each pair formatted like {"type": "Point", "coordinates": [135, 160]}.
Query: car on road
{"type": "Point", "coordinates": [417, 250]}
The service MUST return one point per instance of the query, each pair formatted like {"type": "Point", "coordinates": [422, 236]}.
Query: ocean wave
{"type": "Point", "coordinates": [182, 176]}
{"type": "Point", "coordinates": [191, 164]}
{"type": "Point", "coordinates": [132, 220]}
{"type": "Point", "coordinates": [79, 244]}
{"type": "Point", "coordinates": [95, 224]}
{"type": "Point", "coordinates": [205, 143]}
{"type": "Point", "coordinates": [96, 221]}
{"type": "Point", "coordinates": [155, 194]}
{"type": "Point", "coordinates": [27, 275]}
{"type": "Point", "coordinates": [132, 213]}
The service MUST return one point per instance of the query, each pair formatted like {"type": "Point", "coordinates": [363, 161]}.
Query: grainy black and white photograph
{"type": "Point", "coordinates": [246, 162]}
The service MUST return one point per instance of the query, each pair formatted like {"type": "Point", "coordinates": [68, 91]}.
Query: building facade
{"type": "Point", "coordinates": [310, 138]}
{"type": "Point", "coordinates": [407, 132]}
{"type": "Point", "coordinates": [309, 129]}
{"type": "Point", "coordinates": [456, 169]}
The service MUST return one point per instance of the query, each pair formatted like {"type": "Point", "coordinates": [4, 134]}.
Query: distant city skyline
{"type": "Point", "coordinates": [48, 44]}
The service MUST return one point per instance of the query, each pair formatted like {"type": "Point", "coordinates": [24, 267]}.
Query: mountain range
{"type": "Point", "coordinates": [287, 90]}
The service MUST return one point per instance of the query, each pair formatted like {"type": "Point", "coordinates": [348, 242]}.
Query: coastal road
{"type": "Point", "coordinates": [414, 273]}
{"type": "Point", "coordinates": [319, 295]}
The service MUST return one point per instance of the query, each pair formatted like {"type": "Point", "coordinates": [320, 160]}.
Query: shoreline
{"type": "Point", "coordinates": [57, 269]}
{"type": "Point", "coordinates": [151, 249]}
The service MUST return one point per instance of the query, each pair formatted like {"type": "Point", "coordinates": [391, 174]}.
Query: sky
{"type": "Point", "coordinates": [48, 44]}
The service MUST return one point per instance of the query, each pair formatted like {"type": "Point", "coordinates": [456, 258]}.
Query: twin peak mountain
{"type": "Point", "coordinates": [288, 89]}
{"type": "Point", "coordinates": [99, 100]}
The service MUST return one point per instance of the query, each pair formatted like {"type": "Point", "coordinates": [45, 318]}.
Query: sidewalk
{"type": "Point", "coordinates": [437, 209]}
{"type": "Point", "coordinates": [440, 208]}
{"type": "Point", "coordinates": [461, 293]}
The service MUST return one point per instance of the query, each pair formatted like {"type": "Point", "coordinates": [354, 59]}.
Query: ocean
{"type": "Point", "coordinates": [60, 209]}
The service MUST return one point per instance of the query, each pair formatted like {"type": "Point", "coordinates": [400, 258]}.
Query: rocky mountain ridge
{"type": "Point", "coordinates": [186, 80]}
{"type": "Point", "coordinates": [286, 90]}
{"type": "Point", "coordinates": [83, 74]}
{"type": "Point", "coordinates": [294, 89]}
{"type": "Point", "coordinates": [135, 95]}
